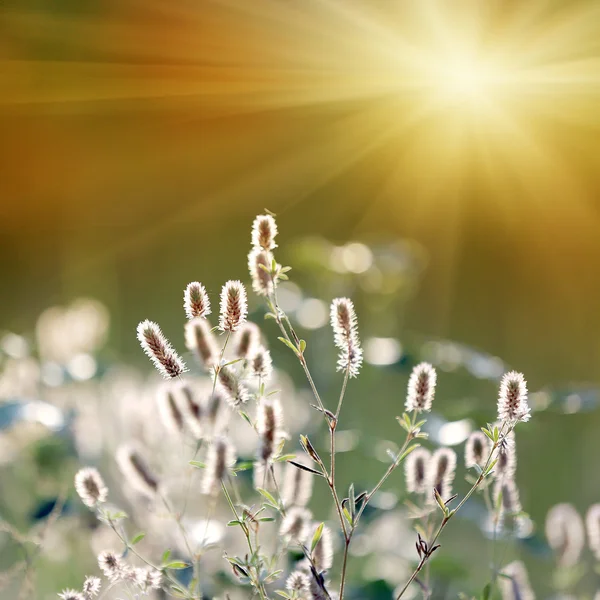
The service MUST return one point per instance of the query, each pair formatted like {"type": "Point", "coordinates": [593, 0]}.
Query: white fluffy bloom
{"type": "Point", "coordinates": [515, 585]}
{"type": "Point", "coordinates": [512, 398]}
{"type": "Point", "coordinates": [345, 336]}
{"type": "Point", "coordinates": [264, 231]}
{"type": "Point", "coordinates": [90, 487]}
{"type": "Point", "coordinates": [196, 301]}
{"type": "Point", "coordinates": [234, 306]}
{"type": "Point", "coordinates": [421, 388]}
{"type": "Point", "coordinates": [565, 533]}
{"type": "Point", "coordinates": [416, 470]}
{"type": "Point", "coordinates": [167, 362]}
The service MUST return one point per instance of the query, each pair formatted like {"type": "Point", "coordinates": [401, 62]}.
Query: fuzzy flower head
{"type": "Point", "coordinates": [234, 306]}
{"type": "Point", "coordinates": [135, 470]}
{"type": "Point", "coordinates": [297, 484]}
{"type": "Point", "coordinates": [565, 533]}
{"type": "Point", "coordinates": [71, 595]}
{"type": "Point", "coordinates": [296, 524]}
{"type": "Point", "coordinates": [246, 340]}
{"type": "Point", "coordinates": [261, 364]}
{"type": "Point", "coordinates": [90, 487]}
{"type": "Point", "coordinates": [421, 388]}
{"type": "Point", "coordinates": [515, 583]}
{"type": "Point", "coordinates": [512, 398]}
{"type": "Point", "coordinates": [442, 467]}
{"type": "Point", "coordinates": [195, 301]}
{"type": "Point", "coordinates": [592, 523]}
{"type": "Point", "coordinates": [345, 336]}
{"type": "Point", "coordinates": [506, 458]}
{"type": "Point", "coordinates": [298, 584]}
{"type": "Point", "coordinates": [264, 231]}
{"type": "Point", "coordinates": [91, 587]}
{"type": "Point", "coordinates": [191, 410]}
{"type": "Point", "coordinates": [510, 504]}
{"type": "Point", "coordinates": [167, 362]}
{"type": "Point", "coordinates": [111, 565]}
{"type": "Point", "coordinates": [230, 384]}
{"type": "Point", "coordinates": [168, 408]}
{"type": "Point", "coordinates": [220, 458]}
{"type": "Point", "coordinates": [148, 579]}
{"type": "Point", "coordinates": [259, 266]}
{"type": "Point", "coordinates": [200, 340]}
{"type": "Point", "coordinates": [415, 470]}
{"type": "Point", "coordinates": [477, 450]}
{"type": "Point", "coordinates": [268, 424]}
{"type": "Point", "coordinates": [322, 555]}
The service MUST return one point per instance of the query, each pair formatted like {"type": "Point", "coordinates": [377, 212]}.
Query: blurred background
{"type": "Point", "coordinates": [437, 161]}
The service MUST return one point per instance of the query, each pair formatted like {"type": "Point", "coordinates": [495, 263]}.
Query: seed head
{"type": "Point", "coordinates": [511, 503]}
{"type": "Point", "coordinates": [565, 533]}
{"type": "Point", "coordinates": [217, 413]}
{"type": "Point", "coordinates": [259, 266]}
{"type": "Point", "coordinates": [235, 392]}
{"type": "Point", "coordinates": [168, 407]}
{"type": "Point", "coordinates": [167, 362]}
{"type": "Point", "coordinates": [506, 455]}
{"type": "Point", "coordinates": [345, 336]}
{"type": "Point", "coordinates": [111, 565]}
{"type": "Point", "coordinates": [298, 583]}
{"type": "Point", "coordinates": [441, 471]}
{"type": "Point", "coordinates": [200, 340]}
{"type": "Point", "coordinates": [246, 340]}
{"type": "Point", "coordinates": [90, 487]}
{"type": "Point", "coordinates": [220, 458]}
{"type": "Point", "coordinates": [477, 450]}
{"type": "Point", "coordinates": [192, 410]}
{"type": "Point", "coordinates": [261, 364]}
{"type": "Point", "coordinates": [512, 398]}
{"type": "Point", "coordinates": [268, 424]}
{"type": "Point", "coordinates": [421, 388]}
{"type": "Point", "coordinates": [91, 587]}
{"type": "Point", "coordinates": [71, 595]}
{"type": "Point", "coordinates": [135, 469]}
{"type": "Point", "coordinates": [295, 525]}
{"type": "Point", "coordinates": [148, 579]}
{"type": "Point", "coordinates": [195, 301]}
{"type": "Point", "coordinates": [234, 306]}
{"type": "Point", "coordinates": [297, 484]}
{"type": "Point", "coordinates": [592, 522]}
{"type": "Point", "coordinates": [264, 231]}
{"type": "Point", "coordinates": [415, 470]}
{"type": "Point", "coordinates": [515, 583]}
{"type": "Point", "coordinates": [322, 555]}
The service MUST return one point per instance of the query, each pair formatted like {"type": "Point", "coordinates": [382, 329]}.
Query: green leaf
{"type": "Point", "coordinates": [316, 537]}
{"type": "Point", "coordinates": [266, 519]}
{"type": "Point", "coordinates": [302, 346]}
{"type": "Point", "coordinates": [176, 564]}
{"type": "Point", "coordinates": [234, 523]}
{"type": "Point", "coordinates": [243, 466]}
{"type": "Point", "coordinates": [283, 594]}
{"type": "Point", "coordinates": [198, 464]}
{"type": "Point", "coordinates": [267, 495]}
{"type": "Point", "coordinates": [352, 501]}
{"type": "Point", "coordinates": [348, 516]}
{"type": "Point", "coordinates": [138, 538]}
{"type": "Point", "coordinates": [488, 433]}
{"type": "Point", "coordinates": [407, 452]}
{"type": "Point", "coordinates": [246, 418]}
{"type": "Point", "coordinates": [165, 556]}
{"type": "Point", "coordinates": [288, 344]}
{"type": "Point", "coordinates": [487, 591]}
{"type": "Point", "coordinates": [284, 457]}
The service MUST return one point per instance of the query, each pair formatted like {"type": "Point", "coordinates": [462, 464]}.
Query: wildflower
{"type": "Point", "coordinates": [71, 595]}
{"type": "Point", "coordinates": [515, 583]}
{"type": "Point", "coordinates": [345, 335]}
{"type": "Point", "coordinates": [477, 450]}
{"type": "Point", "coordinates": [234, 306]}
{"type": "Point", "coordinates": [512, 398]}
{"type": "Point", "coordinates": [217, 414]}
{"type": "Point", "coordinates": [168, 408]}
{"type": "Point", "coordinates": [200, 340]}
{"type": "Point", "coordinates": [441, 472]}
{"type": "Point", "coordinates": [192, 411]}
{"type": "Point", "coordinates": [415, 470]}
{"type": "Point", "coordinates": [506, 455]}
{"type": "Point", "coordinates": [592, 522]}
{"type": "Point", "coordinates": [235, 392]}
{"type": "Point", "coordinates": [111, 565]}
{"type": "Point", "coordinates": [565, 533]}
{"type": "Point", "coordinates": [295, 524]}
{"type": "Point", "coordinates": [298, 583]}
{"type": "Point", "coordinates": [195, 301]}
{"type": "Point", "coordinates": [264, 231]}
{"type": "Point", "coordinates": [220, 458]}
{"type": "Point", "coordinates": [261, 364]}
{"type": "Point", "coordinates": [91, 587]}
{"type": "Point", "coordinates": [148, 579]}
{"type": "Point", "coordinates": [247, 339]}
{"type": "Point", "coordinates": [268, 425]}
{"type": "Point", "coordinates": [322, 555]}
{"type": "Point", "coordinates": [510, 496]}
{"type": "Point", "coordinates": [135, 470]}
{"type": "Point", "coordinates": [90, 487]}
{"type": "Point", "coordinates": [259, 265]}
{"type": "Point", "coordinates": [159, 350]}
{"type": "Point", "coordinates": [297, 484]}
{"type": "Point", "coordinates": [421, 388]}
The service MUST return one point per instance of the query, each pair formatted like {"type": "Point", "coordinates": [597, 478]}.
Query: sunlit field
{"type": "Point", "coordinates": [300, 300]}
